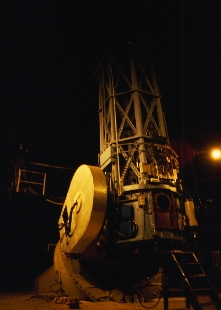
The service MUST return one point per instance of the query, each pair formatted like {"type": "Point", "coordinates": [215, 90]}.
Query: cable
{"type": "Point", "coordinates": [145, 306]}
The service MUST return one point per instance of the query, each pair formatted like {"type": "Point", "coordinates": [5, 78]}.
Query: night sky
{"type": "Point", "coordinates": [49, 53]}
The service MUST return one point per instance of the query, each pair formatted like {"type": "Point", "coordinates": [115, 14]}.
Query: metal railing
{"type": "Point", "coordinates": [22, 178]}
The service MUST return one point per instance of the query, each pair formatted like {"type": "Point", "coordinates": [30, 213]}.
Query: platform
{"type": "Point", "coordinates": [33, 301]}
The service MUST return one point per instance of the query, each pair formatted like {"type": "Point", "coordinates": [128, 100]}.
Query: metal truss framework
{"type": "Point", "coordinates": [134, 144]}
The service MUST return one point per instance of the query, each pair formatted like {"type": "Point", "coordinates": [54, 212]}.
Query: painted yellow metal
{"type": "Point", "coordinates": [84, 209]}
{"type": "Point", "coordinates": [64, 268]}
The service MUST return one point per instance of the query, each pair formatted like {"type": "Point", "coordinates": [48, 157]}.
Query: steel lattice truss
{"type": "Point", "coordinates": [132, 122]}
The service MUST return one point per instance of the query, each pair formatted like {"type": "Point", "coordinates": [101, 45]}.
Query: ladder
{"type": "Point", "coordinates": [192, 280]}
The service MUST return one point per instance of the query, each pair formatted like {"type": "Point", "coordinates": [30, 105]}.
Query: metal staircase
{"type": "Point", "coordinates": [182, 270]}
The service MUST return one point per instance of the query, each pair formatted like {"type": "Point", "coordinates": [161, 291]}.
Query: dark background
{"type": "Point", "coordinates": [49, 53]}
{"type": "Point", "coordinates": [49, 99]}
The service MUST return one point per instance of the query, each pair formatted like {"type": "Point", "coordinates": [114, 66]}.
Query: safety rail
{"type": "Point", "coordinates": [22, 178]}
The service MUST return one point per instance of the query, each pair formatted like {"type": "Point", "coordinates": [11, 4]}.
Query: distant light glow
{"type": "Point", "coordinates": [216, 154]}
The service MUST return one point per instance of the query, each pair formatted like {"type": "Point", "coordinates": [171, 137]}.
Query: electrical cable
{"type": "Point", "coordinates": [151, 306]}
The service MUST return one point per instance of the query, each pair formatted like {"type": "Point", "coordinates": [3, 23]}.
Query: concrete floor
{"type": "Point", "coordinates": [34, 301]}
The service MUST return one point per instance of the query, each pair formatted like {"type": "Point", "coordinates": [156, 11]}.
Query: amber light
{"type": "Point", "coordinates": [216, 154]}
